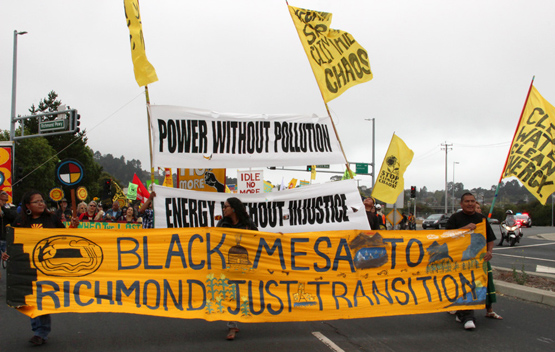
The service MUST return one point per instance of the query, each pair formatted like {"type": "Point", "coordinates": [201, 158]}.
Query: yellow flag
{"type": "Point", "coordinates": [337, 60]}
{"type": "Point", "coordinates": [168, 179]}
{"type": "Point", "coordinates": [390, 183]}
{"type": "Point", "coordinates": [292, 183]}
{"type": "Point", "coordinates": [532, 154]}
{"type": "Point", "coordinates": [119, 196]}
{"type": "Point", "coordinates": [348, 174]}
{"type": "Point", "coordinates": [144, 71]}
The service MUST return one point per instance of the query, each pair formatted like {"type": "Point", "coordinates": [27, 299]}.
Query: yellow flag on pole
{"type": "Point", "coordinates": [144, 71]}
{"type": "Point", "coordinates": [337, 60]}
{"type": "Point", "coordinates": [292, 183]}
{"type": "Point", "coordinates": [168, 178]}
{"type": "Point", "coordinates": [532, 154]}
{"type": "Point", "coordinates": [119, 196]}
{"type": "Point", "coordinates": [390, 182]}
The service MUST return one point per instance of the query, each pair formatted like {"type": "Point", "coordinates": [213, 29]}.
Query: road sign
{"type": "Point", "coordinates": [322, 166]}
{"type": "Point", "coordinates": [52, 125]}
{"type": "Point", "coordinates": [361, 168]}
{"type": "Point", "coordinates": [398, 217]}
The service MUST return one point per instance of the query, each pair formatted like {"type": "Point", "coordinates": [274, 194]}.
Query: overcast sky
{"type": "Point", "coordinates": [454, 72]}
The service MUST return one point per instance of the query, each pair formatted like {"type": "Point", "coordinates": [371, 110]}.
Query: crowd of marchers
{"type": "Point", "coordinates": [93, 211]}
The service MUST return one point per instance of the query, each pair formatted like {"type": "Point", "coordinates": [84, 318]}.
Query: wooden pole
{"type": "Point", "coordinates": [147, 97]}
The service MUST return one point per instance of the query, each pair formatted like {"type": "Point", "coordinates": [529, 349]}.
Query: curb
{"type": "Point", "coordinates": [526, 293]}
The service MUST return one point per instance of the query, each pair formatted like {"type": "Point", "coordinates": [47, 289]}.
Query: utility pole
{"type": "Point", "coordinates": [454, 163]}
{"type": "Point", "coordinates": [446, 147]}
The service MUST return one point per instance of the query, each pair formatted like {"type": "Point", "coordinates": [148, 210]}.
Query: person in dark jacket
{"type": "Point", "coordinates": [374, 220]}
{"type": "Point", "coordinates": [7, 216]}
{"type": "Point", "coordinates": [235, 217]}
{"type": "Point", "coordinates": [467, 219]}
{"type": "Point", "coordinates": [35, 214]}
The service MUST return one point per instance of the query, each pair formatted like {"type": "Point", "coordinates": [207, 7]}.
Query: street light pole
{"type": "Point", "coordinates": [454, 162]}
{"type": "Point", "coordinates": [14, 80]}
{"type": "Point", "coordinates": [373, 150]}
{"type": "Point", "coordinates": [447, 147]}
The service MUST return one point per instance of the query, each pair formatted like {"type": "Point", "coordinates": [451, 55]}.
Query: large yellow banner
{"type": "Point", "coordinates": [144, 71]}
{"type": "Point", "coordinates": [248, 276]}
{"type": "Point", "coordinates": [531, 158]}
{"type": "Point", "coordinates": [337, 60]}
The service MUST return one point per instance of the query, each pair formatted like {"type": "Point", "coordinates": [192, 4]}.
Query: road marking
{"type": "Point", "coordinates": [525, 257]}
{"type": "Point", "coordinates": [327, 341]}
{"type": "Point", "coordinates": [529, 245]}
{"type": "Point", "coordinates": [544, 269]}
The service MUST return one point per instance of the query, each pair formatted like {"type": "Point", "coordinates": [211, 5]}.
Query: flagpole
{"type": "Point", "coordinates": [337, 136]}
{"type": "Point", "coordinates": [147, 96]}
{"type": "Point", "coordinates": [509, 153]}
{"type": "Point", "coordinates": [328, 110]}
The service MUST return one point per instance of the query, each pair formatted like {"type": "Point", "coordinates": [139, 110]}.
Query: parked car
{"type": "Point", "coordinates": [435, 221]}
{"type": "Point", "coordinates": [493, 221]}
{"type": "Point", "coordinates": [523, 219]}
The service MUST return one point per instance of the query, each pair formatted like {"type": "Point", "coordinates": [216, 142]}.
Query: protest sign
{"type": "Point", "coordinates": [311, 208]}
{"type": "Point", "coordinates": [207, 139]}
{"type": "Point", "coordinates": [248, 276]}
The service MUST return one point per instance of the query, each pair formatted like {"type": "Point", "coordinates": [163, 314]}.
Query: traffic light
{"type": "Point", "coordinates": [413, 191]}
{"type": "Point", "coordinates": [75, 121]}
{"type": "Point", "coordinates": [309, 168]}
{"type": "Point", "coordinates": [108, 188]}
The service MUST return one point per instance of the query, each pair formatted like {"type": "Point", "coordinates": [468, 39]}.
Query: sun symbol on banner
{"type": "Point", "coordinates": [392, 163]}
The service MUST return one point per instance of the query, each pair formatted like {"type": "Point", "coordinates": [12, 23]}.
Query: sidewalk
{"type": "Point", "coordinates": [547, 236]}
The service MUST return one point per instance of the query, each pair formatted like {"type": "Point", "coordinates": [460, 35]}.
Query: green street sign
{"type": "Point", "coordinates": [52, 125]}
{"type": "Point", "coordinates": [362, 168]}
{"type": "Point", "coordinates": [322, 166]}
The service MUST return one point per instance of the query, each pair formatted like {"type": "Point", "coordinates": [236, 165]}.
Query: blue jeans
{"type": "Point", "coordinates": [41, 325]}
{"type": "Point", "coordinates": [3, 246]}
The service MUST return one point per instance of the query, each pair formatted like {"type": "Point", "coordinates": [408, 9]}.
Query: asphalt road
{"type": "Point", "coordinates": [532, 254]}
{"type": "Point", "coordinates": [526, 326]}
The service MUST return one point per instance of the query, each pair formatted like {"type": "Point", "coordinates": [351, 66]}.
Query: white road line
{"type": "Point", "coordinates": [545, 269]}
{"type": "Point", "coordinates": [525, 257]}
{"type": "Point", "coordinates": [530, 245]}
{"type": "Point", "coordinates": [327, 341]}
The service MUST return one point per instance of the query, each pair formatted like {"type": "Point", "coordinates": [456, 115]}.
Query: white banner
{"type": "Point", "coordinates": [196, 138]}
{"type": "Point", "coordinates": [324, 207]}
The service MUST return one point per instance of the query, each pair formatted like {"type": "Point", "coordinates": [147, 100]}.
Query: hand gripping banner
{"type": "Point", "coordinates": [240, 275]}
{"type": "Point", "coordinates": [202, 139]}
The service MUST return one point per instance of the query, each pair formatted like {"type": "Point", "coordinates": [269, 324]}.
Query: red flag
{"type": "Point", "coordinates": [142, 192]}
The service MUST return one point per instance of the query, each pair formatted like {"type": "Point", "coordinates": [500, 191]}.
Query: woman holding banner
{"type": "Point", "coordinates": [235, 216]}
{"type": "Point", "coordinates": [34, 214]}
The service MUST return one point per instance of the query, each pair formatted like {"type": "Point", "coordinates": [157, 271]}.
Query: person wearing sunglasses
{"type": "Point", "coordinates": [93, 213]}
{"type": "Point", "coordinates": [35, 214]}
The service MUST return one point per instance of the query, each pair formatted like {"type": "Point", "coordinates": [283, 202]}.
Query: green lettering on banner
{"type": "Point", "coordinates": [106, 225]}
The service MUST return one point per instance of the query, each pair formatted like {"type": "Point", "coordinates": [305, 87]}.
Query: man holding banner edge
{"type": "Point", "coordinates": [467, 219]}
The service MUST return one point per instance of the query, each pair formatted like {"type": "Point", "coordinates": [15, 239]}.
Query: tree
{"type": "Point", "coordinates": [36, 158]}
{"type": "Point", "coordinates": [38, 155]}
